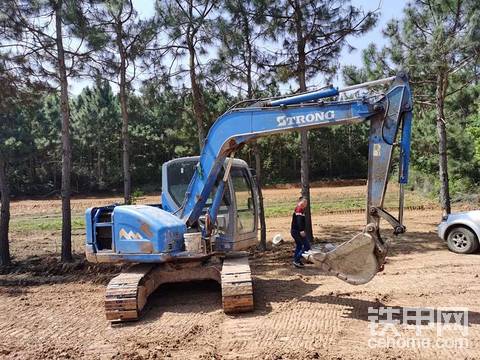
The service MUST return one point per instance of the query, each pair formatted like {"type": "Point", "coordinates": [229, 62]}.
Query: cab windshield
{"type": "Point", "coordinates": [180, 174]}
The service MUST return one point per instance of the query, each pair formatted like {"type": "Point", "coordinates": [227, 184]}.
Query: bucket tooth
{"type": "Point", "coordinates": [354, 261]}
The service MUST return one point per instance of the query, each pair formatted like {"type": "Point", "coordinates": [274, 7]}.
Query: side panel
{"type": "Point", "coordinates": [132, 233]}
{"type": "Point", "coordinates": [88, 225]}
{"type": "Point", "coordinates": [142, 229]}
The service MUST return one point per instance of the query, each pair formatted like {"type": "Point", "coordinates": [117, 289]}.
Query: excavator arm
{"type": "Point", "coordinates": [359, 259]}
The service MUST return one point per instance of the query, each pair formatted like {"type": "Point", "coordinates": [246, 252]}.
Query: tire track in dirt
{"type": "Point", "coordinates": [289, 326]}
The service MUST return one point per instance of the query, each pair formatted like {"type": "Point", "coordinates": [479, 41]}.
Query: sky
{"type": "Point", "coordinates": [388, 9]}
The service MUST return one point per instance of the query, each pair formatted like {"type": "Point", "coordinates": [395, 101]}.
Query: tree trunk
{"type": "Point", "coordinates": [127, 181]}
{"type": "Point", "coordinates": [442, 83]}
{"type": "Point", "coordinates": [4, 214]}
{"type": "Point", "coordinates": [305, 180]}
{"type": "Point", "coordinates": [261, 209]}
{"type": "Point", "coordinates": [197, 97]}
{"type": "Point", "coordinates": [304, 148]}
{"type": "Point", "coordinates": [256, 149]}
{"type": "Point", "coordinates": [66, 142]}
{"type": "Point", "coordinates": [127, 184]}
{"type": "Point", "coordinates": [100, 169]}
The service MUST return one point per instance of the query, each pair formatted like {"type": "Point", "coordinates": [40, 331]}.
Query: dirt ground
{"type": "Point", "coordinates": [49, 310]}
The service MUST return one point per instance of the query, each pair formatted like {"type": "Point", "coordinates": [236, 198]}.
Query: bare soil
{"type": "Point", "coordinates": [49, 310]}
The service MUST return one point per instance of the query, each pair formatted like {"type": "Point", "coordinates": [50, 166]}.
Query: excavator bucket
{"type": "Point", "coordinates": [355, 261]}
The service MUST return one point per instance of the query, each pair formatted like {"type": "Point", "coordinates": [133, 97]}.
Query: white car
{"type": "Point", "coordinates": [461, 231]}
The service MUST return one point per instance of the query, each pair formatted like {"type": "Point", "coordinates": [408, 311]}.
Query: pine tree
{"type": "Point", "coordinates": [120, 40]}
{"type": "Point", "coordinates": [437, 43]}
{"type": "Point", "coordinates": [34, 35]}
{"type": "Point", "coordinates": [312, 34]}
{"type": "Point", "coordinates": [95, 114]}
{"type": "Point", "coordinates": [8, 143]}
{"type": "Point", "coordinates": [17, 98]}
{"type": "Point", "coordinates": [239, 33]}
{"type": "Point", "coordinates": [189, 25]}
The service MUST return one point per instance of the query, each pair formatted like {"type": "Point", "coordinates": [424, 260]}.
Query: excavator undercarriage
{"type": "Point", "coordinates": [127, 293]}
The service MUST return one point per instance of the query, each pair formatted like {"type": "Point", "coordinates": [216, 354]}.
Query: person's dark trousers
{"type": "Point", "coordinates": [301, 245]}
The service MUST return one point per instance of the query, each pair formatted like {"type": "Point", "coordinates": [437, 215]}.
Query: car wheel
{"type": "Point", "coordinates": [462, 240]}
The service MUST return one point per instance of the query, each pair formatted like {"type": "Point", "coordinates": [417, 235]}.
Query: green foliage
{"type": "Point", "coordinates": [162, 125]}
{"type": "Point", "coordinates": [437, 43]}
{"type": "Point", "coordinates": [17, 140]}
{"type": "Point", "coordinates": [136, 195]}
{"type": "Point", "coordinates": [314, 32]}
{"type": "Point", "coordinates": [96, 135]}
{"type": "Point", "coordinates": [239, 60]}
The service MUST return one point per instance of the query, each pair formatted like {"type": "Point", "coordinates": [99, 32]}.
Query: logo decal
{"type": "Point", "coordinates": [124, 235]}
{"type": "Point", "coordinates": [305, 119]}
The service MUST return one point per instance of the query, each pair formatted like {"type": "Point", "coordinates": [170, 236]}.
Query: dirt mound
{"type": "Point", "coordinates": [48, 269]}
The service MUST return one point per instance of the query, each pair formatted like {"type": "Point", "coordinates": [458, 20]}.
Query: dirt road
{"type": "Point", "coordinates": [52, 311]}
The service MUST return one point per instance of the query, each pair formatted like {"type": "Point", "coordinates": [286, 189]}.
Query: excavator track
{"type": "Point", "coordinates": [126, 294]}
{"type": "Point", "coordinates": [237, 287]}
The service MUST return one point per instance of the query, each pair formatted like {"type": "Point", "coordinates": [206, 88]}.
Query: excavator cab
{"type": "Point", "coordinates": [236, 225]}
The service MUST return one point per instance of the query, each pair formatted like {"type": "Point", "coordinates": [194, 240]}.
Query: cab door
{"type": "Point", "coordinates": [246, 215]}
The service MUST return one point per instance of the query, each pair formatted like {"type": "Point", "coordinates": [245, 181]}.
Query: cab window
{"type": "Point", "coordinates": [179, 175]}
{"type": "Point", "coordinates": [244, 198]}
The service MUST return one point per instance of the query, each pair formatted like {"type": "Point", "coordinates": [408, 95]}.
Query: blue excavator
{"type": "Point", "coordinates": [208, 214]}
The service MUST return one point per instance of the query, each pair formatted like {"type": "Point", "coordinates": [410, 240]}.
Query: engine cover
{"type": "Point", "coordinates": [143, 229]}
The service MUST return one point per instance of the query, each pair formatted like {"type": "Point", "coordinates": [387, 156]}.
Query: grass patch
{"type": "Point", "coordinates": [45, 224]}
{"type": "Point", "coordinates": [285, 208]}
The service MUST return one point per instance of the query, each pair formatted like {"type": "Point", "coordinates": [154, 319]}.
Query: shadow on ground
{"type": "Point", "coordinates": [358, 308]}
{"type": "Point", "coordinates": [277, 291]}
{"type": "Point", "coordinates": [191, 297]}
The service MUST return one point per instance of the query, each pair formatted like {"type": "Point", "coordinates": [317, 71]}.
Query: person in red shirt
{"type": "Point", "coordinates": [298, 233]}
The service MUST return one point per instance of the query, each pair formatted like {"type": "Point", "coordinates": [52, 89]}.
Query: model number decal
{"type": "Point", "coordinates": [305, 119]}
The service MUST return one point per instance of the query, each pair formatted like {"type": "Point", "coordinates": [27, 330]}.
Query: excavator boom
{"type": "Point", "coordinates": [359, 259]}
